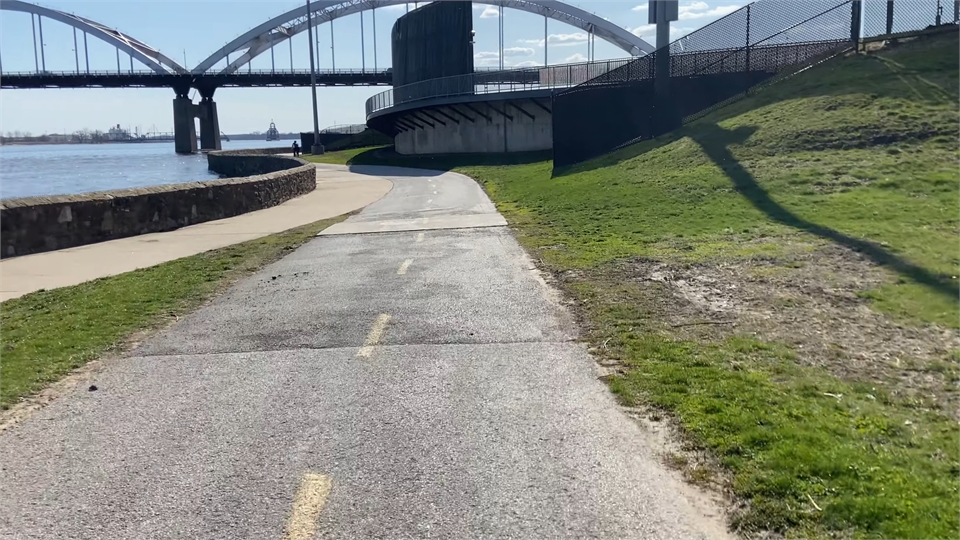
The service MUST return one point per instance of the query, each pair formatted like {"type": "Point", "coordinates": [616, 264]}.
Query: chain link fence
{"type": "Point", "coordinates": [759, 43]}
{"type": "Point", "coordinates": [883, 17]}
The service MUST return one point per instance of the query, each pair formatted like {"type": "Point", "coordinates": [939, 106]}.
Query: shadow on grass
{"type": "Point", "coordinates": [715, 142]}
{"type": "Point", "coordinates": [624, 154]}
{"type": "Point", "coordinates": [920, 69]}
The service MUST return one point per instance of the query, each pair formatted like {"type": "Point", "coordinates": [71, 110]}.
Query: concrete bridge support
{"type": "Point", "coordinates": [185, 131]}
{"type": "Point", "coordinates": [209, 124]}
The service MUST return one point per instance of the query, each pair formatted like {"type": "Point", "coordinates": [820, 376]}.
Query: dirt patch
{"type": "Point", "coordinates": [809, 300]}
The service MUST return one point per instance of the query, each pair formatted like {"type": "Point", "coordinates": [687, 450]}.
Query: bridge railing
{"type": "Point", "coordinates": [493, 82]}
{"type": "Point", "coordinates": [151, 73]}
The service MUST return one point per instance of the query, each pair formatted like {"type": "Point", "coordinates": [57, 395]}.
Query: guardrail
{"type": "Point", "coordinates": [494, 82]}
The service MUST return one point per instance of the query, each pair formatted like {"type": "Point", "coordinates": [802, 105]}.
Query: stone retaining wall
{"type": "Point", "coordinates": [37, 224]}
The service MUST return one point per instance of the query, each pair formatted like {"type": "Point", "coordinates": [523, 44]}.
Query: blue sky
{"type": "Point", "coordinates": [197, 28]}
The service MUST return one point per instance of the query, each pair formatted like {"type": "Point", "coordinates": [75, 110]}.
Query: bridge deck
{"type": "Point", "coordinates": [150, 79]}
{"type": "Point", "coordinates": [155, 80]}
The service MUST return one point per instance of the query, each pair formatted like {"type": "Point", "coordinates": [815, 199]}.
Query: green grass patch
{"type": "Point", "coordinates": [46, 334]}
{"type": "Point", "coordinates": [341, 157]}
{"type": "Point", "coordinates": [859, 152]}
{"type": "Point", "coordinates": [795, 439]}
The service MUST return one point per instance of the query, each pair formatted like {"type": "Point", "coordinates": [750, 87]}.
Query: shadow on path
{"type": "Point", "coordinates": [387, 156]}
{"type": "Point", "coordinates": [715, 142]}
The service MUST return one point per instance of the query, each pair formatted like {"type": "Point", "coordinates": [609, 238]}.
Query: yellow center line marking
{"type": "Point", "coordinates": [403, 267]}
{"type": "Point", "coordinates": [307, 505]}
{"type": "Point", "coordinates": [420, 237]}
{"type": "Point", "coordinates": [379, 326]}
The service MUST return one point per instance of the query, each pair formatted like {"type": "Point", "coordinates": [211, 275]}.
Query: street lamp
{"type": "Point", "coordinates": [317, 148]}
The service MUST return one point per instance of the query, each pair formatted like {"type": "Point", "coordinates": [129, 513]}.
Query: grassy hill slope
{"type": "Point", "coordinates": [779, 278]}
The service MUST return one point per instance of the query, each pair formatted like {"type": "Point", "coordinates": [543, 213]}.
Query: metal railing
{"type": "Point", "coordinates": [494, 82]}
{"type": "Point", "coordinates": [258, 72]}
{"type": "Point", "coordinates": [345, 129]}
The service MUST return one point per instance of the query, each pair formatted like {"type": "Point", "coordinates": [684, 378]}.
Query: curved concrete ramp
{"type": "Point", "coordinates": [421, 200]}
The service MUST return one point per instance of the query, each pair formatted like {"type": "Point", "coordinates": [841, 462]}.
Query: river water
{"type": "Point", "coordinates": [62, 169]}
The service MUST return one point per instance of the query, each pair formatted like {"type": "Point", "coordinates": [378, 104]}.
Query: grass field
{"type": "Point", "coordinates": [780, 280]}
{"type": "Point", "coordinates": [46, 334]}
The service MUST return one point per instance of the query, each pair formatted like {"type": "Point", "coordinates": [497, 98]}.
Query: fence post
{"type": "Point", "coordinates": [748, 37]}
{"type": "Point", "coordinates": [855, 7]}
{"type": "Point", "coordinates": [889, 17]}
{"type": "Point", "coordinates": [956, 11]}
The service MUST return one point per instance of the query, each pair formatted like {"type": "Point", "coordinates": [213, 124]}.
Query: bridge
{"type": "Point", "coordinates": [151, 79]}
{"type": "Point", "coordinates": [223, 68]}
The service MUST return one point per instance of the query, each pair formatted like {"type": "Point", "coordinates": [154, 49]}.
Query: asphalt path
{"type": "Point", "coordinates": [407, 374]}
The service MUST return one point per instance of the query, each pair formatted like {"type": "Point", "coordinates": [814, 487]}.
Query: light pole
{"type": "Point", "coordinates": [661, 13]}
{"type": "Point", "coordinates": [317, 148]}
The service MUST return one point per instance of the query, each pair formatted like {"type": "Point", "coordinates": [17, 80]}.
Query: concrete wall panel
{"type": "Point", "coordinates": [499, 134]}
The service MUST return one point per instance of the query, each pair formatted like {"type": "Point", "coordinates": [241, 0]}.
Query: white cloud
{"type": "Point", "coordinates": [575, 58]}
{"type": "Point", "coordinates": [486, 58]}
{"type": "Point", "coordinates": [646, 30]}
{"type": "Point", "coordinates": [649, 32]}
{"type": "Point", "coordinates": [518, 51]}
{"type": "Point", "coordinates": [559, 40]}
{"type": "Point", "coordinates": [527, 63]}
{"type": "Point", "coordinates": [699, 10]}
{"type": "Point", "coordinates": [641, 7]}
{"type": "Point", "coordinates": [489, 12]}
{"type": "Point", "coordinates": [576, 37]}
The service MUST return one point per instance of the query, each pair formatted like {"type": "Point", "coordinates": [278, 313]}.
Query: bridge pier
{"type": "Point", "coordinates": [185, 131]}
{"type": "Point", "coordinates": [209, 123]}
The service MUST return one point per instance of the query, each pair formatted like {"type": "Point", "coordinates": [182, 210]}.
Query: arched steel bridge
{"type": "Point", "coordinates": [264, 37]}
{"type": "Point", "coordinates": [206, 78]}
{"type": "Point", "coordinates": [267, 35]}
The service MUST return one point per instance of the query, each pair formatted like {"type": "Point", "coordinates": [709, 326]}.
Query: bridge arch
{"type": "Point", "coordinates": [261, 38]}
{"type": "Point", "coordinates": [144, 53]}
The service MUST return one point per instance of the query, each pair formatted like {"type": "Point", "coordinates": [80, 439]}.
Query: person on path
{"type": "Point", "coordinates": [296, 149]}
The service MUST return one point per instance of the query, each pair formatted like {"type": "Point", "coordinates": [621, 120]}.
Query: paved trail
{"type": "Point", "coordinates": [405, 375]}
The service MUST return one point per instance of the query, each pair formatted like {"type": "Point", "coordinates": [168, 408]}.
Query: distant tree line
{"type": "Point", "coordinates": [81, 136]}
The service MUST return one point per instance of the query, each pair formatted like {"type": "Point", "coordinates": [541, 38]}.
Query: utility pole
{"type": "Point", "coordinates": [661, 12]}
{"type": "Point", "coordinates": [317, 148]}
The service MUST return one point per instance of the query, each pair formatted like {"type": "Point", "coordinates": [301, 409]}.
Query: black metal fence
{"type": "Point", "coordinates": [719, 62]}
{"type": "Point", "coordinates": [345, 129]}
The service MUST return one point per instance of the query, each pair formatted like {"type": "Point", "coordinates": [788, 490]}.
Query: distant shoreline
{"type": "Point", "coordinates": [239, 137]}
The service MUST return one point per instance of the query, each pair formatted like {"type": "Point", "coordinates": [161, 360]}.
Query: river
{"type": "Point", "coordinates": [66, 169]}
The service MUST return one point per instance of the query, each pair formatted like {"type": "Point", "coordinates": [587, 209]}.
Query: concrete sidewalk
{"type": "Point", "coordinates": [338, 192]}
